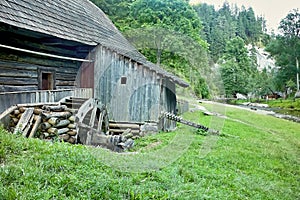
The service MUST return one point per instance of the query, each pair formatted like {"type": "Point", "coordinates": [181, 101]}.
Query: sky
{"type": "Point", "coordinates": [272, 10]}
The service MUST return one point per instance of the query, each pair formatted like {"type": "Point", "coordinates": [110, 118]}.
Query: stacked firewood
{"type": "Point", "coordinates": [59, 122]}
{"type": "Point", "coordinates": [34, 120]}
{"type": "Point", "coordinates": [47, 122]}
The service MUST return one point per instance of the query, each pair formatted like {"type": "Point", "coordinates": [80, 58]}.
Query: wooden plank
{"type": "Point", "coordinates": [122, 126]}
{"type": "Point", "coordinates": [17, 73]}
{"type": "Point", "coordinates": [45, 54]}
{"type": "Point", "coordinates": [24, 120]}
{"type": "Point", "coordinates": [7, 112]}
{"type": "Point", "coordinates": [26, 130]}
{"type": "Point", "coordinates": [122, 131]}
{"type": "Point", "coordinates": [12, 88]}
{"type": "Point", "coordinates": [18, 81]}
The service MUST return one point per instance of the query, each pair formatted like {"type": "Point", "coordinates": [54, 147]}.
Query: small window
{"type": "Point", "coordinates": [123, 80]}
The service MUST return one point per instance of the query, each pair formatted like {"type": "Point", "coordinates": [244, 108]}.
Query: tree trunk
{"type": "Point", "coordinates": [297, 65]}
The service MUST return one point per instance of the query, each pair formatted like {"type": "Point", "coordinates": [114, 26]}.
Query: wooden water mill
{"type": "Point", "coordinates": [73, 120]}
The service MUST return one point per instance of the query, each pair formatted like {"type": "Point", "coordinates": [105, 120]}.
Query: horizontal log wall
{"type": "Point", "coordinates": [20, 71]}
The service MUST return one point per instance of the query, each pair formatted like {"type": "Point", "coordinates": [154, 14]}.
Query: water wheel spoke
{"type": "Point", "coordinates": [92, 118]}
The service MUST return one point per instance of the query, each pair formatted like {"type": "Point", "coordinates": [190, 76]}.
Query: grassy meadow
{"type": "Point", "coordinates": [254, 157]}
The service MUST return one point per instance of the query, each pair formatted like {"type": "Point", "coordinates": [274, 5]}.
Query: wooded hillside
{"type": "Point", "coordinates": [189, 40]}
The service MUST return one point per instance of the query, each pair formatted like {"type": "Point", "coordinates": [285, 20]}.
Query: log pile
{"type": "Point", "coordinates": [47, 122]}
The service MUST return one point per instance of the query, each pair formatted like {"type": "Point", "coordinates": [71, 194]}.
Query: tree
{"type": "Point", "coordinates": [226, 23]}
{"type": "Point", "coordinates": [236, 67]}
{"type": "Point", "coordinates": [168, 33]}
{"type": "Point", "coordinates": [285, 49]}
{"type": "Point", "coordinates": [117, 10]}
{"type": "Point", "coordinates": [290, 26]}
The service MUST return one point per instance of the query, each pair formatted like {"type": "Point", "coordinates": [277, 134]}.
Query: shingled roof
{"type": "Point", "coordinates": [75, 20]}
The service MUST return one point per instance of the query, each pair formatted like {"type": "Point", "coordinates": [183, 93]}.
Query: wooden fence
{"type": "Point", "coordinates": [8, 99]}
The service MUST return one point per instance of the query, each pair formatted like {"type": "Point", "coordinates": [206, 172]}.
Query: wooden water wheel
{"type": "Point", "coordinates": [91, 118]}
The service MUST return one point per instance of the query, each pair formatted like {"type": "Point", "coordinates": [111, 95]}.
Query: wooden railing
{"type": "Point", "coordinates": [8, 99]}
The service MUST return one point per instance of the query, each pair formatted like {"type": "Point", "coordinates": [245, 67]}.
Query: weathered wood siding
{"type": "Point", "coordinates": [8, 99]}
{"type": "Point", "coordinates": [131, 91]}
{"type": "Point", "coordinates": [19, 72]}
{"type": "Point", "coordinates": [182, 106]}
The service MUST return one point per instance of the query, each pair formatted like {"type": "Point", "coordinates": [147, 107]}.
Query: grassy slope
{"type": "Point", "coordinates": [258, 158]}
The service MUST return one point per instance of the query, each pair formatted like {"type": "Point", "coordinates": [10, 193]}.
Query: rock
{"type": "Point", "coordinates": [149, 128]}
{"type": "Point", "coordinates": [128, 144]}
{"type": "Point", "coordinates": [208, 113]}
{"type": "Point", "coordinates": [240, 96]}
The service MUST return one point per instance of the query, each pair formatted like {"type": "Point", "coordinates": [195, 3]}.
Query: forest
{"type": "Point", "coordinates": [212, 49]}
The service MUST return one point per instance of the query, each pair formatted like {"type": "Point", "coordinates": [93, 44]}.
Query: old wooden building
{"type": "Point", "coordinates": [58, 48]}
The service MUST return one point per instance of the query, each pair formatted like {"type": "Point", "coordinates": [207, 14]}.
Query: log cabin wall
{"type": "Point", "coordinates": [21, 71]}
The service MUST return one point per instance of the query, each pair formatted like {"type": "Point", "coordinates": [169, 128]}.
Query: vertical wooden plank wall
{"type": "Point", "coordinates": [138, 100]}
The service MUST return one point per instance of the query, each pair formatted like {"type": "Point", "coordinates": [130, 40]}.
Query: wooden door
{"type": "Point", "coordinates": [87, 75]}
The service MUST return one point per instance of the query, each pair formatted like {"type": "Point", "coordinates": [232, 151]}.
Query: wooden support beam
{"type": "Point", "coordinates": [24, 120]}
{"type": "Point", "coordinates": [44, 54]}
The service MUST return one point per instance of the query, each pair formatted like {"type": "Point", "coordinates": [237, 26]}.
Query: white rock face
{"type": "Point", "coordinates": [240, 96]}
{"type": "Point", "coordinates": [264, 60]}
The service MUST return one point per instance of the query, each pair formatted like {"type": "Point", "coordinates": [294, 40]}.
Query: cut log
{"type": "Point", "coordinates": [14, 120]}
{"type": "Point", "coordinates": [64, 137]}
{"type": "Point", "coordinates": [72, 132]}
{"type": "Point", "coordinates": [55, 108]}
{"type": "Point", "coordinates": [71, 110]}
{"type": "Point", "coordinates": [48, 115]}
{"type": "Point", "coordinates": [45, 135]}
{"type": "Point", "coordinates": [36, 117]}
{"type": "Point", "coordinates": [22, 109]}
{"type": "Point", "coordinates": [62, 131]}
{"type": "Point", "coordinates": [35, 126]}
{"type": "Point", "coordinates": [52, 131]}
{"type": "Point", "coordinates": [72, 126]}
{"type": "Point", "coordinates": [62, 123]}
{"type": "Point", "coordinates": [72, 140]}
{"type": "Point", "coordinates": [16, 112]}
{"type": "Point", "coordinates": [45, 125]}
{"type": "Point", "coordinates": [72, 118]}
{"type": "Point", "coordinates": [124, 126]}
{"type": "Point", "coordinates": [120, 131]}
{"type": "Point", "coordinates": [53, 121]}
{"type": "Point", "coordinates": [37, 111]}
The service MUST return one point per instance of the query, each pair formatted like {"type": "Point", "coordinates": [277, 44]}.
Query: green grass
{"type": "Point", "coordinates": [258, 157]}
{"type": "Point", "coordinates": [285, 103]}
